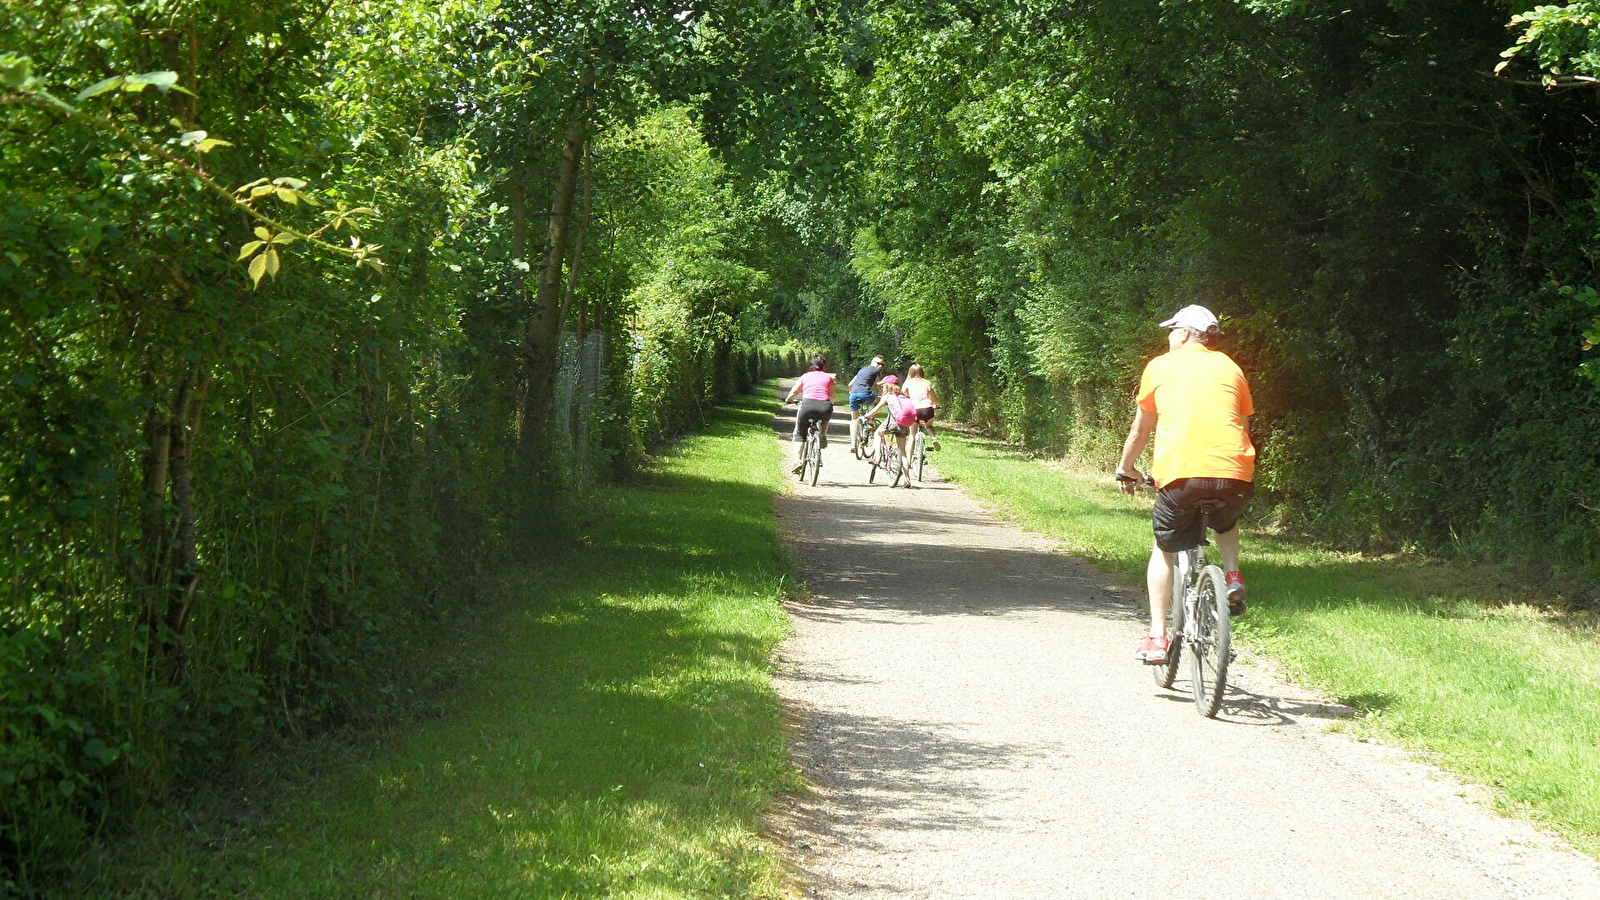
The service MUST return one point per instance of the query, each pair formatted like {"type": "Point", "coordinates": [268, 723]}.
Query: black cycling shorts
{"type": "Point", "coordinates": [820, 410]}
{"type": "Point", "coordinates": [925, 414]}
{"type": "Point", "coordinates": [1177, 522]}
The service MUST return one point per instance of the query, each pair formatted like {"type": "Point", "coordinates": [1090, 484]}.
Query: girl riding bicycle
{"type": "Point", "coordinates": [815, 390]}
{"type": "Point", "coordinates": [920, 390]}
{"type": "Point", "coordinates": [902, 415]}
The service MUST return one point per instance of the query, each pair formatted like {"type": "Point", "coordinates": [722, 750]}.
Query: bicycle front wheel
{"type": "Point", "coordinates": [814, 452]}
{"type": "Point", "coordinates": [1210, 642]}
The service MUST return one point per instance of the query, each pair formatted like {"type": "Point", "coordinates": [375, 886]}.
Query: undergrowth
{"type": "Point", "coordinates": [610, 730]}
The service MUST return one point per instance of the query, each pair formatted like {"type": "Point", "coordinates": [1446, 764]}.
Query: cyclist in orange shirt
{"type": "Point", "coordinates": [1195, 402]}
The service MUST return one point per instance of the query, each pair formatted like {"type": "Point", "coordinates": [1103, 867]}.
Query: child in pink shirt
{"type": "Point", "coordinates": [902, 414]}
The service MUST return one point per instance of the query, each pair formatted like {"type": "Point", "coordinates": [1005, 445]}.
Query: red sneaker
{"type": "Point", "coordinates": [1152, 650]}
{"type": "Point", "coordinates": [1234, 582]}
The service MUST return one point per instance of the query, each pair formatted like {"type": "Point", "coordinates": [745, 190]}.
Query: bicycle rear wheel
{"type": "Point", "coordinates": [805, 456]}
{"type": "Point", "coordinates": [919, 453]}
{"type": "Point", "coordinates": [1210, 638]}
{"type": "Point", "coordinates": [897, 468]}
{"type": "Point", "coordinates": [814, 453]}
{"type": "Point", "coordinates": [1167, 674]}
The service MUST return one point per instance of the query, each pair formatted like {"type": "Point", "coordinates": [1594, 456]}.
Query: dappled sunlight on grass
{"type": "Point", "coordinates": [621, 738]}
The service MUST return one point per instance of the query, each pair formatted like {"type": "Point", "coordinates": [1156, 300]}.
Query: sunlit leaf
{"type": "Point", "coordinates": [95, 90]}
{"type": "Point", "coordinates": [263, 233]}
{"type": "Point", "coordinates": [258, 268]}
{"type": "Point", "coordinates": [161, 81]}
{"type": "Point", "coordinates": [249, 249]}
{"type": "Point", "coordinates": [16, 72]}
{"type": "Point", "coordinates": [294, 183]}
{"type": "Point", "coordinates": [271, 257]}
{"type": "Point", "coordinates": [287, 195]}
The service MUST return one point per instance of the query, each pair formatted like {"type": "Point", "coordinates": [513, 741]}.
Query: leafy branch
{"type": "Point", "coordinates": [21, 88]}
{"type": "Point", "coordinates": [1565, 43]}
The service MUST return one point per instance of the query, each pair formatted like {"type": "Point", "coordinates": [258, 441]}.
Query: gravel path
{"type": "Point", "coordinates": [974, 726]}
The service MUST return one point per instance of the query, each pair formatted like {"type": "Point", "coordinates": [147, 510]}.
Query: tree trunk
{"type": "Point", "coordinates": [517, 197]}
{"type": "Point", "coordinates": [542, 330]}
{"type": "Point", "coordinates": [185, 551]}
{"type": "Point", "coordinates": [153, 521]}
{"type": "Point", "coordinates": [169, 558]}
{"type": "Point", "coordinates": [580, 228]}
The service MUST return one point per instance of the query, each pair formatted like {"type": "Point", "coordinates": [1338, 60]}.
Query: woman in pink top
{"type": "Point", "coordinates": [815, 390]}
{"type": "Point", "coordinates": [920, 390]}
{"type": "Point", "coordinates": [902, 415]}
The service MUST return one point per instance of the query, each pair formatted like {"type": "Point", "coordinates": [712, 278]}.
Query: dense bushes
{"type": "Point", "coordinates": [1400, 241]}
{"type": "Point", "coordinates": [243, 473]}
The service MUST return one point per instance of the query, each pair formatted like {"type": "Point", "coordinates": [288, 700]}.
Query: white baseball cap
{"type": "Point", "coordinates": [1193, 317]}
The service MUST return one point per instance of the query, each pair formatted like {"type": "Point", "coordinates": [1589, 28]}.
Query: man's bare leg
{"type": "Point", "coordinates": [1158, 581]}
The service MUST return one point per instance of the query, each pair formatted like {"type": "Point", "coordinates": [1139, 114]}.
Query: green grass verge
{"type": "Point", "coordinates": [1434, 655]}
{"type": "Point", "coordinates": [619, 736]}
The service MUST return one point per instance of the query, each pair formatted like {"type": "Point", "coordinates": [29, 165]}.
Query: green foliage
{"type": "Point", "coordinates": [238, 480]}
{"type": "Point", "coordinates": [1041, 183]}
{"type": "Point", "coordinates": [610, 729]}
{"type": "Point", "coordinates": [1565, 41]}
{"type": "Point", "coordinates": [225, 509]}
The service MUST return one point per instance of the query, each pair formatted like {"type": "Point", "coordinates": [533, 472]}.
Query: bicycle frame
{"type": "Point", "coordinates": [811, 456]}
{"type": "Point", "coordinates": [1197, 623]}
{"type": "Point", "coordinates": [888, 458]}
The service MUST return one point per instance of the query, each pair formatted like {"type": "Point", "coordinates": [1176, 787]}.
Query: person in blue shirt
{"type": "Point", "coordinates": [861, 394]}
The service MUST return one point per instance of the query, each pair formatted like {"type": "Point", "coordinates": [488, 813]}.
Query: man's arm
{"type": "Point", "coordinates": [1144, 426]}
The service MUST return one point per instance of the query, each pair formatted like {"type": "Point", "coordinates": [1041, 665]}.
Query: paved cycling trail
{"type": "Point", "coordinates": [971, 718]}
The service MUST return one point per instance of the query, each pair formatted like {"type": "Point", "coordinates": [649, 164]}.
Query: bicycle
{"type": "Point", "coordinates": [860, 437]}
{"type": "Point", "coordinates": [888, 459]}
{"type": "Point", "coordinates": [811, 453]}
{"type": "Point", "coordinates": [1197, 619]}
{"type": "Point", "coordinates": [919, 453]}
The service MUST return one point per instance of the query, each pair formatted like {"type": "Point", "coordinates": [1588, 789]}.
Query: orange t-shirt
{"type": "Point", "coordinates": [1201, 400]}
